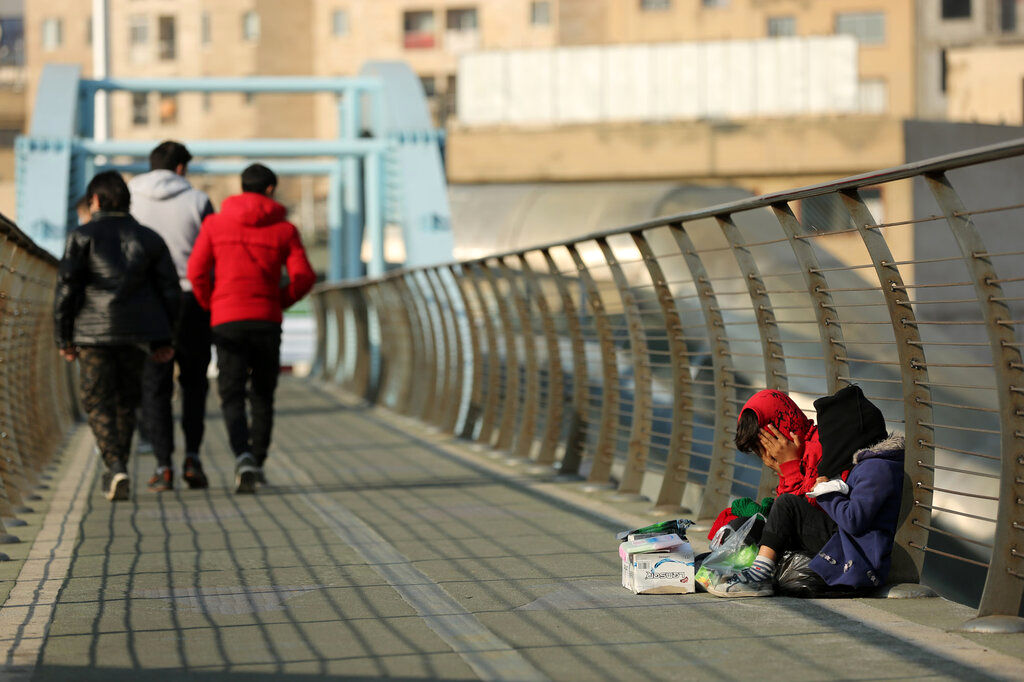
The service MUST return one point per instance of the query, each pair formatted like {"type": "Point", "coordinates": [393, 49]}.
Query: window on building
{"type": "Point", "coordinates": [943, 69]}
{"type": "Point", "coordinates": [168, 108]}
{"type": "Point", "coordinates": [956, 9]}
{"type": "Point", "coordinates": [429, 85]}
{"type": "Point", "coordinates": [715, 3]}
{"type": "Point", "coordinates": [138, 30]}
{"type": "Point", "coordinates": [251, 26]}
{"type": "Point", "coordinates": [873, 95]}
{"type": "Point", "coordinates": [12, 41]}
{"type": "Point", "coordinates": [205, 29]}
{"type": "Point", "coordinates": [339, 22]}
{"type": "Point", "coordinates": [461, 20]}
{"type": "Point", "coordinates": [140, 108]}
{"type": "Point", "coordinates": [250, 98]}
{"type": "Point", "coordinates": [867, 27]}
{"type": "Point", "coordinates": [418, 29]}
{"type": "Point", "coordinates": [540, 13]}
{"type": "Point", "coordinates": [167, 36]}
{"type": "Point", "coordinates": [779, 27]}
{"type": "Point", "coordinates": [655, 5]}
{"type": "Point", "coordinates": [1008, 16]}
{"type": "Point", "coordinates": [207, 102]}
{"type": "Point", "coordinates": [138, 38]}
{"type": "Point", "coordinates": [53, 34]}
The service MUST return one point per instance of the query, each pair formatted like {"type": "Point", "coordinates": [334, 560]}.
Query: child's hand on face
{"type": "Point", "coordinates": [777, 448]}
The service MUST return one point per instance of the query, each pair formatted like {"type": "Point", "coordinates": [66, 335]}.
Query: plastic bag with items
{"type": "Point", "coordinates": [731, 552]}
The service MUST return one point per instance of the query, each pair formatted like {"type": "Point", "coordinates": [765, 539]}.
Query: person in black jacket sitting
{"type": "Point", "coordinates": [117, 294]}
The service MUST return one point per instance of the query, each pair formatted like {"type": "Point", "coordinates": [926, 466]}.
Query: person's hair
{"type": "Point", "coordinates": [169, 155]}
{"type": "Point", "coordinates": [746, 432]}
{"type": "Point", "coordinates": [111, 191]}
{"type": "Point", "coordinates": [257, 178]}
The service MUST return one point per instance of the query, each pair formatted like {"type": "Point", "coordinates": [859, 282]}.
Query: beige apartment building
{"type": "Point", "coordinates": [334, 37]}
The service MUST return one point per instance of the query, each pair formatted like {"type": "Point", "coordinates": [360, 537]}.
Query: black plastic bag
{"type": "Point", "coordinates": [794, 577]}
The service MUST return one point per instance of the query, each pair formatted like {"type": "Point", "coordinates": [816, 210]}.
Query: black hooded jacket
{"type": "Point", "coordinates": [116, 285]}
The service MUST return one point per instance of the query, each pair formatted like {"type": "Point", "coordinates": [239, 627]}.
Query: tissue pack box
{"type": "Point", "coordinates": [662, 572]}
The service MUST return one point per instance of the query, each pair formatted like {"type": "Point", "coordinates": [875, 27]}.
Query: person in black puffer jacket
{"type": "Point", "coordinates": [117, 294]}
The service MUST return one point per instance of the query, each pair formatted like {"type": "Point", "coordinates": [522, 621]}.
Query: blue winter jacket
{"type": "Point", "coordinates": [860, 553]}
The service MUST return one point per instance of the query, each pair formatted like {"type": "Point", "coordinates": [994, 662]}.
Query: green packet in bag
{"type": "Point", "coordinates": [677, 526]}
{"type": "Point", "coordinates": [726, 566]}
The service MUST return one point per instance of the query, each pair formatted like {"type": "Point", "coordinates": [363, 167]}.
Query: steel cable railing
{"type": "Point", "coordinates": [625, 356]}
{"type": "Point", "coordinates": [37, 399]}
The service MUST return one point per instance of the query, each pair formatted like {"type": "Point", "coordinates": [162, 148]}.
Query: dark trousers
{"type": "Point", "coordinates": [192, 353]}
{"type": "Point", "coordinates": [248, 362]}
{"type": "Point", "coordinates": [794, 524]}
{"type": "Point", "coordinates": [111, 385]}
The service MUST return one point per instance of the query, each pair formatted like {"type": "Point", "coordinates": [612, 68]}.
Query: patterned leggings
{"type": "Point", "coordinates": [111, 378]}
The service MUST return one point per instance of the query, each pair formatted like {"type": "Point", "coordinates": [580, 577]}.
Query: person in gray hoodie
{"type": "Point", "coordinates": [165, 201]}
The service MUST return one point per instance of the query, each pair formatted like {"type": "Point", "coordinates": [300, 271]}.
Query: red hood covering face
{"type": "Point", "coordinates": [253, 210]}
{"type": "Point", "coordinates": [775, 407]}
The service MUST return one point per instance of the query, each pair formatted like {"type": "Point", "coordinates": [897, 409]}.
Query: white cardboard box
{"type": "Point", "coordinates": [667, 572]}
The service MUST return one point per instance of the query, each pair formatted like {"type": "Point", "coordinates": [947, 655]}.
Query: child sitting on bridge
{"type": "Point", "coordinates": [852, 527]}
{"type": "Point", "coordinates": [797, 467]}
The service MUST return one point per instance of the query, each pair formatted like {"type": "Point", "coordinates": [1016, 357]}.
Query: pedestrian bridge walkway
{"type": "Point", "coordinates": [381, 549]}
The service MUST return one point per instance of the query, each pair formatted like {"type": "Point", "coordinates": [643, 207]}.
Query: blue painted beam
{"type": "Point", "coordinates": [282, 147]}
{"type": "Point", "coordinates": [291, 84]}
{"type": "Point", "coordinates": [231, 167]}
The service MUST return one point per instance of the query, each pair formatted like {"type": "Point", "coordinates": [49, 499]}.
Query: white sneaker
{"type": "Point", "coordinates": [117, 488]}
{"type": "Point", "coordinates": [738, 586]}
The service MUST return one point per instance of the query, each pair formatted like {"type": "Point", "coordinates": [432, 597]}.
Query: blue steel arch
{"type": "Point", "coordinates": [385, 163]}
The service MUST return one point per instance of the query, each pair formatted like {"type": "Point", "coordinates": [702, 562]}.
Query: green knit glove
{"type": "Point", "coordinates": [745, 507]}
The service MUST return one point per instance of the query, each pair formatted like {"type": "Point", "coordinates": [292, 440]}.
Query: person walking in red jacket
{"type": "Point", "coordinates": [235, 271]}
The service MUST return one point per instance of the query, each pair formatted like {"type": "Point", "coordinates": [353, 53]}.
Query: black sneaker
{"type": "Point", "coordinates": [115, 485]}
{"type": "Point", "coordinates": [245, 474]}
{"type": "Point", "coordinates": [193, 474]}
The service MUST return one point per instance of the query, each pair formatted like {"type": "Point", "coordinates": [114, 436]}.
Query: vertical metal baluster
{"type": "Point", "coordinates": [336, 367]}
{"type": "Point", "coordinates": [362, 383]}
{"type": "Point", "coordinates": [577, 434]}
{"type": "Point", "coordinates": [556, 377]}
{"type": "Point", "coordinates": [718, 491]}
{"type": "Point", "coordinates": [445, 396]}
{"type": "Point", "coordinates": [908, 562]}
{"type": "Point", "coordinates": [604, 450]}
{"type": "Point", "coordinates": [509, 398]}
{"type": "Point", "coordinates": [426, 366]}
{"type": "Point", "coordinates": [677, 464]}
{"type": "Point", "coordinates": [457, 353]}
{"type": "Point", "coordinates": [415, 378]}
{"type": "Point", "coordinates": [491, 401]}
{"type": "Point", "coordinates": [524, 435]}
{"type": "Point", "coordinates": [476, 392]}
{"type": "Point", "coordinates": [640, 429]}
{"type": "Point", "coordinates": [1004, 584]}
{"type": "Point", "coordinates": [320, 347]}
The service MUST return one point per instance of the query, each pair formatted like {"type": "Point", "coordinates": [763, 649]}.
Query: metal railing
{"type": "Point", "coordinates": [624, 356]}
{"type": "Point", "coordinates": [37, 404]}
